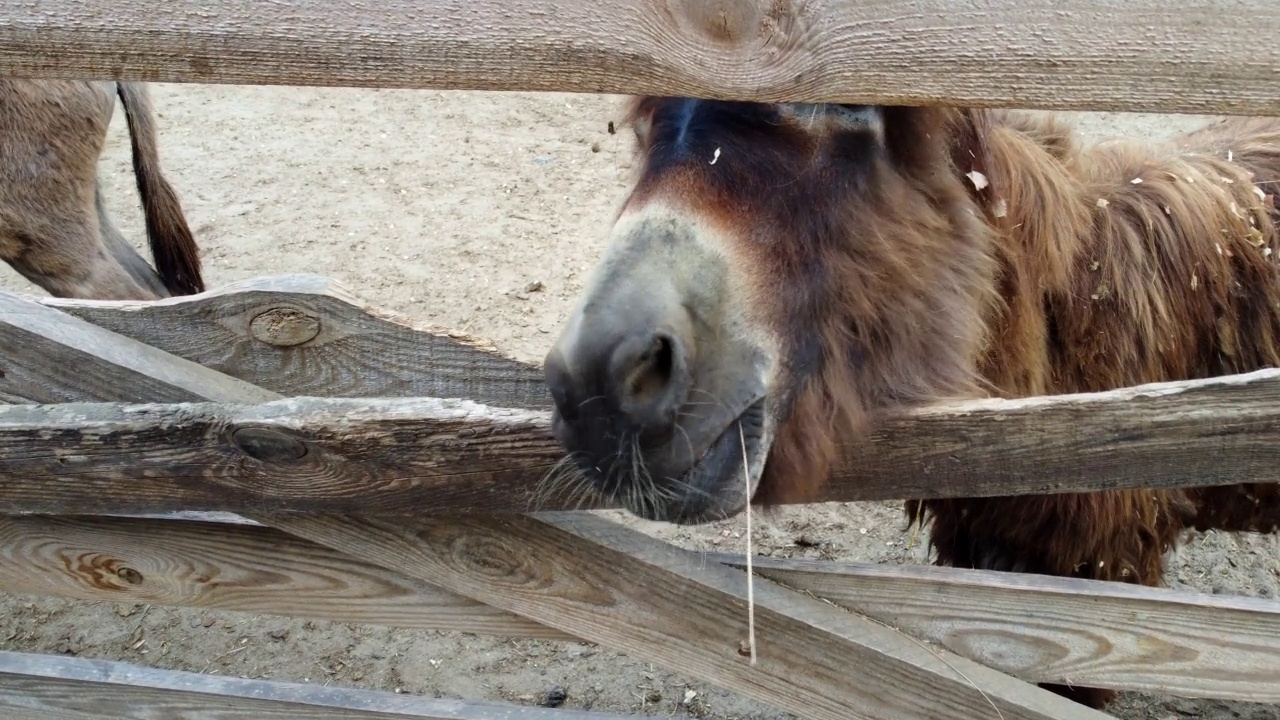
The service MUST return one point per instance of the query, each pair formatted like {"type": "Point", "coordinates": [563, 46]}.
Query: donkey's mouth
{"type": "Point", "coordinates": [716, 486]}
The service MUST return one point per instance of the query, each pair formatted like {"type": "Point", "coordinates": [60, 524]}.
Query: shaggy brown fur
{"type": "Point", "coordinates": [1073, 270]}
{"type": "Point", "coordinates": [54, 226]}
{"type": "Point", "coordinates": [1111, 282]}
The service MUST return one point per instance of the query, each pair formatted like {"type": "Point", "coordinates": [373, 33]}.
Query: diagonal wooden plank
{"type": "Point", "coordinates": [416, 455]}
{"type": "Point", "coordinates": [621, 589]}
{"type": "Point", "coordinates": [220, 566]}
{"type": "Point", "coordinates": [309, 335]}
{"type": "Point", "coordinates": [1048, 629]}
{"type": "Point", "coordinates": [51, 357]}
{"type": "Point", "coordinates": [40, 686]}
{"type": "Point", "coordinates": [1136, 55]}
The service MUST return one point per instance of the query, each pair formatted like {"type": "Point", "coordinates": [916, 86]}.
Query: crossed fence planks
{"type": "Point", "coordinates": [420, 512]}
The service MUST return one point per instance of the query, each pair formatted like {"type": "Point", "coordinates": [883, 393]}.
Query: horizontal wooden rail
{"type": "Point", "coordinates": [424, 455]}
{"type": "Point", "coordinates": [1046, 629]}
{"type": "Point", "coordinates": [1141, 55]}
{"type": "Point", "coordinates": [36, 687]}
{"type": "Point", "coordinates": [626, 584]}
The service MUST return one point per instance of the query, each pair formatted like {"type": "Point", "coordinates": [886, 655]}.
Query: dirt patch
{"type": "Point", "coordinates": [479, 211]}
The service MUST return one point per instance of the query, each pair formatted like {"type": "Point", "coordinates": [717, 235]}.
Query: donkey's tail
{"type": "Point", "coordinates": [173, 248]}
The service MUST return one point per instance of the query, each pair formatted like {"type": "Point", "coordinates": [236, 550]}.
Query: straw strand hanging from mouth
{"type": "Point", "coordinates": [751, 598]}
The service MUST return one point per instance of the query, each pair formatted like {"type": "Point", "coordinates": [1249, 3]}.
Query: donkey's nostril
{"type": "Point", "coordinates": [652, 371]}
{"type": "Point", "coordinates": [648, 378]}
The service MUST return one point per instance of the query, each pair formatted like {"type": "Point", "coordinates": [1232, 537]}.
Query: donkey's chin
{"type": "Point", "coordinates": [716, 487]}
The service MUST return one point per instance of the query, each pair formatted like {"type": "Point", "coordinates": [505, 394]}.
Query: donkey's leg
{"type": "Point", "coordinates": [54, 133]}
{"type": "Point", "coordinates": [59, 248]}
{"type": "Point", "coordinates": [124, 253]}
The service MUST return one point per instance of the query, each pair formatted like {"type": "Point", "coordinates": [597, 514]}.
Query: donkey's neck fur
{"type": "Point", "coordinates": [996, 257]}
{"type": "Point", "coordinates": [1129, 262]}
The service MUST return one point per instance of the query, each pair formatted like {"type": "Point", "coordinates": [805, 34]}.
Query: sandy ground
{"type": "Point", "coordinates": [447, 206]}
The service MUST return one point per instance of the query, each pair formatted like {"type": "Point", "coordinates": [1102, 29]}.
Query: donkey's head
{"type": "Point", "coordinates": [777, 272]}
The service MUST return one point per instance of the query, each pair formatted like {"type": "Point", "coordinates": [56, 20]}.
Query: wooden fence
{"type": "Point", "coordinates": [346, 464]}
{"type": "Point", "coordinates": [415, 509]}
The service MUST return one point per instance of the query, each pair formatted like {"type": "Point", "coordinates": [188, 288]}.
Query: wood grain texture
{"type": "Point", "coordinates": [433, 456]}
{"type": "Point", "coordinates": [1047, 629]}
{"type": "Point", "coordinates": [278, 456]}
{"type": "Point", "coordinates": [1216, 431]}
{"type": "Point", "coordinates": [118, 367]}
{"type": "Point", "coordinates": [610, 585]}
{"type": "Point", "coordinates": [341, 347]}
{"type": "Point", "coordinates": [1036, 628]}
{"type": "Point", "coordinates": [954, 695]}
{"type": "Point", "coordinates": [1136, 55]}
{"type": "Point", "coordinates": [82, 689]}
{"type": "Point", "coordinates": [223, 566]}
{"type": "Point", "coordinates": [51, 357]}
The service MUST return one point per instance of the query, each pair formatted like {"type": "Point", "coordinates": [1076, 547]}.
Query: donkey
{"type": "Point", "coordinates": [784, 274]}
{"type": "Point", "coordinates": [54, 226]}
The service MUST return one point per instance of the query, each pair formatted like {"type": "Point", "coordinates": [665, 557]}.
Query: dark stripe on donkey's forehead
{"type": "Point", "coordinates": [684, 118]}
{"type": "Point", "coordinates": [678, 121]}
{"type": "Point", "coordinates": [680, 130]}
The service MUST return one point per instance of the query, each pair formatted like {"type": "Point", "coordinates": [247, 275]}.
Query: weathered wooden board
{"type": "Point", "coordinates": [308, 335]}
{"type": "Point", "coordinates": [617, 587]}
{"type": "Point", "coordinates": [67, 359]}
{"type": "Point", "coordinates": [952, 693]}
{"type": "Point", "coordinates": [64, 688]}
{"type": "Point", "coordinates": [97, 458]}
{"type": "Point", "coordinates": [1048, 629]}
{"type": "Point", "coordinates": [424, 455]}
{"type": "Point", "coordinates": [217, 566]}
{"type": "Point", "coordinates": [1036, 628]}
{"type": "Point", "coordinates": [1140, 55]}
{"type": "Point", "coordinates": [47, 356]}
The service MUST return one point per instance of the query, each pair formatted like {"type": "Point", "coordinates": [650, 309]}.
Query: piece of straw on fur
{"type": "Point", "coordinates": [978, 179]}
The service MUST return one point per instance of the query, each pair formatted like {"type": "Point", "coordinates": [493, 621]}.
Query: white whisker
{"type": "Point", "coordinates": [688, 441]}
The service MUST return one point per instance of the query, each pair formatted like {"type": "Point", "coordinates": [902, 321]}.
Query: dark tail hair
{"type": "Point", "coordinates": [173, 248]}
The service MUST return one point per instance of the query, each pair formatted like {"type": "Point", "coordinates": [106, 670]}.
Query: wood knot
{"type": "Point", "coordinates": [726, 21]}
{"type": "Point", "coordinates": [104, 572]}
{"type": "Point", "coordinates": [129, 576]}
{"type": "Point", "coordinates": [285, 327]}
{"type": "Point", "coordinates": [492, 558]}
{"type": "Point", "coordinates": [268, 444]}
